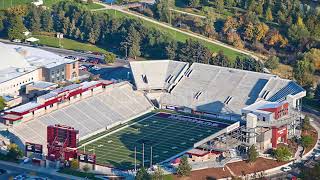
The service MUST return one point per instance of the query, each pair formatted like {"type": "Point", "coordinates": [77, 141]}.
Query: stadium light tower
{"type": "Point", "coordinates": [135, 158]}
{"type": "Point", "coordinates": [142, 154]}
{"type": "Point", "coordinates": [151, 157]}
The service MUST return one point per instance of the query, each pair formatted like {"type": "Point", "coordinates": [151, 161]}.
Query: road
{"type": "Point", "coordinates": [198, 36]}
{"type": "Point", "coordinates": [27, 169]}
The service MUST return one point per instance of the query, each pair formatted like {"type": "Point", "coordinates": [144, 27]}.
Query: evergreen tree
{"type": "Point", "coordinates": [252, 154]}
{"type": "Point", "coordinates": [184, 168]}
{"type": "Point", "coordinates": [46, 21]}
{"type": "Point", "coordinates": [142, 174]}
{"type": "Point", "coordinates": [269, 16]}
{"type": "Point", "coordinates": [15, 27]}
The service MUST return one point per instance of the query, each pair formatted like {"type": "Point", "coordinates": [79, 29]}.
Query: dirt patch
{"type": "Point", "coordinates": [262, 164]}
{"type": "Point", "coordinates": [206, 174]}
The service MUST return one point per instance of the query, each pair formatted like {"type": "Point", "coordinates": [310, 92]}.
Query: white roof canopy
{"type": "Point", "coordinates": [32, 39]}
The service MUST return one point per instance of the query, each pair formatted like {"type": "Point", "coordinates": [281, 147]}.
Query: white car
{"type": "Point", "coordinates": [96, 68]}
{"type": "Point", "coordinates": [286, 169]}
{"type": "Point", "coordinates": [17, 41]}
{"type": "Point", "coordinates": [317, 155]}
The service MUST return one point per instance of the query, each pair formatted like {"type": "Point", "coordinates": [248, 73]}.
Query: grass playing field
{"type": "Point", "coordinates": [167, 137]}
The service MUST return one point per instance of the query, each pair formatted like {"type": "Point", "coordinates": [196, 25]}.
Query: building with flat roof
{"type": "Point", "coordinates": [22, 65]}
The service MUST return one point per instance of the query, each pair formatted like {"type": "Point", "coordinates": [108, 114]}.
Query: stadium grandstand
{"type": "Point", "coordinates": [267, 103]}
{"type": "Point", "coordinates": [109, 106]}
{"type": "Point", "coordinates": [157, 75]}
{"type": "Point", "coordinates": [222, 90]}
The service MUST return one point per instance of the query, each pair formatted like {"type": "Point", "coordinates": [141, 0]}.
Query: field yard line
{"type": "Point", "coordinates": [143, 136]}
{"type": "Point", "coordinates": [89, 142]}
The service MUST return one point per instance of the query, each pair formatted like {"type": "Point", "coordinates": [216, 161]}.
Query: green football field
{"type": "Point", "coordinates": [167, 137]}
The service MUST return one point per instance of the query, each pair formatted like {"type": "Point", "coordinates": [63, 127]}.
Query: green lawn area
{"type": "Point", "coordinates": [167, 137]}
{"type": "Point", "coordinates": [4, 4]}
{"type": "Point", "coordinates": [68, 44]}
{"type": "Point", "coordinates": [179, 36]}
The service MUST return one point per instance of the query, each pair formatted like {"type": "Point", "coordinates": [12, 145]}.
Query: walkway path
{"type": "Point", "coordinates": [121, 9]}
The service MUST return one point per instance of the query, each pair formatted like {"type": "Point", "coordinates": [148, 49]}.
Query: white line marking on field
{"type": "Point", "coordinates": [89, 142]}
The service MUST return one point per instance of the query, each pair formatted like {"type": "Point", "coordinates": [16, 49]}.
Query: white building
{"type": "Point", "coordinates": [21, 65]}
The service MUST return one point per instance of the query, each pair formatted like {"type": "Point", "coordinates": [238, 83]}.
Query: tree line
{"type": "Point", "coordinates": [288, 31]}
{"type": "Point", "coordinates": [125, 36]}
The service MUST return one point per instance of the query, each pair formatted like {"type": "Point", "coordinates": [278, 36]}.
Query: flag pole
{"type": "Point", "coordinates": [151, 158]}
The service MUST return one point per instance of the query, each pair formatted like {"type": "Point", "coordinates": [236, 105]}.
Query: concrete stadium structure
{"type": "Point", "coordinates": [90, 107]}
{"type": "Point", "coordinates": [230, 94]}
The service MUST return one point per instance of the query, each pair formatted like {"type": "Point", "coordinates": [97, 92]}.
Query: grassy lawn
{"type": "Point", "coordinates": [179, 36]}
{"type": "Point", "coordinates": [68, 44]}
{"type": "Point", "coordinates": [166, 136]}
{"type": "Point", "coordinates": [4, 4]}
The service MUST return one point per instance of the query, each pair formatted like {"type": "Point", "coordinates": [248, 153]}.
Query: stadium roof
{"type": "Point", "coordinates": [156, 74]}
{"type": "Point", "coordinates": [224, 90]}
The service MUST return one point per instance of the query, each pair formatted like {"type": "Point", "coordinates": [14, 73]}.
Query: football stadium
{"type": "Point", "coordinates": [169, 109]}
{"type": "Point", "coordinates": [152, 140]}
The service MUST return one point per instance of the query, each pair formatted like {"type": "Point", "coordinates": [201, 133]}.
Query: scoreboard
{"type": "Point", "coordinates": [35, 148]}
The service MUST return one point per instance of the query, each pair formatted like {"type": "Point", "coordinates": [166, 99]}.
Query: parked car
{"type": "Point", "coordinates": [97, 53]}
{"type": "Point", "coordinates": [72, 57]}
{"type": "Point", "coordinates": [17, 41]}
{"type": "Point", "coordinates": [84, 68]}
{"type": "Point", "coordinates": [286, 169]}
{"type": "Point", "coordinates": [96, 68]}
{"type": "Point", "coordinates": [317, 155]}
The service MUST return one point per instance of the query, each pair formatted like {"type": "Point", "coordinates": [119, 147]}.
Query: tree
{"type": "Point", "coordinates": [272, 62]}
{"type": "Point", "coordinates": [261, 31]}
{"type": "Point", "coordinates": [74, 164]}
{"type": "Point", "coordinates": [252, 154]}
{"type": "Point", "coordinates": [249, 31]}
{"type": "Point", "coordinates": [158, 174]}
{"type": "Point", "coordinates": [306, 123]}
{"type": "Point", "coordinates": [282, 153]}
{"type": "Point", "coordinates": [15, 28]}
{"type": "Point", "coordinates": [109, 57]}
{"type": "Point", "coordinates": [46, 21]}
{"type": "Point", "coordinates": [34, 20]}
{"type": "Point", "coordinates": [314, 57]}
{"type": "Point", "coordinates": [86, 168]}
{"type": "Point", "coordinates": [269, 16]}
{"type": "Point", "coordinates": [171, 50]}
{"type": "Point", "coordinates": [229, 25]}
{"type": "Point", "coordinates": [184, 168]}
{"type": "Point", "coordinates": [14, 152]}
{"type": "Point", "coordinates": [142, 174]}
{"type": "Point", "coordinates": [303, 72]}
{"type": "Point", "coordinates": [2, 103]}
{"type": "Point", "coordinates": [163, 10]}
{"type": "Point", "coordinates": [132, 43]}
{"type": "Point", "coordinates": [317, 92]}
{"type": "Point", "coordinates": [306, 141]}
{"type": "Point", "coordinates": [193, 3]}
{"type": "Point", "coordinates": [219, 4]}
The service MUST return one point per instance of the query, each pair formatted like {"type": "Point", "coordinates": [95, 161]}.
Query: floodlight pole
{"type": "Point", "coordinates": [142, 154]}
{"type": "Point", "coordinates": [151, 158]}
{"type": "Point", "coordinates": [135, 158]}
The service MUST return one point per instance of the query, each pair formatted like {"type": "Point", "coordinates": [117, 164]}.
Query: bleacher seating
{"type": "Point", "coordinates": [225, 90]}
{"type": "Point", "coordinates": [117, 104]}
